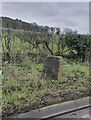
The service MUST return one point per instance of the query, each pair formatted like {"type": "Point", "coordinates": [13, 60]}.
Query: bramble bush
{"type": "Point", "coordinates": [18, 43]}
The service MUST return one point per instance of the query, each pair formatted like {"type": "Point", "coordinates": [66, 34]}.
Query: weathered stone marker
{"type": "Point", "coordinates": [53, 68]}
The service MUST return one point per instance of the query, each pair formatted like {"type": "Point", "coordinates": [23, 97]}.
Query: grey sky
{"type": "Point", "coordinates": [73, 15]}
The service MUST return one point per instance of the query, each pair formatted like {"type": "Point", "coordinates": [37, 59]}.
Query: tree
{"type": "Point", "coordinates": [58, 31]}
{"type": "Point", "coordinates": [78, 43]}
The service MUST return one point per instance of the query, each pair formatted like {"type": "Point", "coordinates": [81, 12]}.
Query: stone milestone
{"type": "Point", "coordinates": [53, 68]}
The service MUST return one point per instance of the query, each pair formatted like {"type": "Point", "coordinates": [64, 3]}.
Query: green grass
{"type": "Point", "coordinates": [80, 67]}
{"type": "Point", "coordinates": [22, 84]}
{"type": "Point", "coordinates": [31, 65]}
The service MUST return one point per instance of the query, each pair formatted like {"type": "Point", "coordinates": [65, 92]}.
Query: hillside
{"type": "Point", "coordinates": [19, 24]}
{"type": "Point", "coordinates": [23, 56]}
{"type": "Point", "coordinates": [24, 49]}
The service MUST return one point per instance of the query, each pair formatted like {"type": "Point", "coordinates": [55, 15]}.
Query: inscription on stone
{"type": "Point", "coordinates": [53, 68]}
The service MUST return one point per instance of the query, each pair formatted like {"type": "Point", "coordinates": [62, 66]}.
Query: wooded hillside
{"type": "Point", "coordinates": [19, 24]}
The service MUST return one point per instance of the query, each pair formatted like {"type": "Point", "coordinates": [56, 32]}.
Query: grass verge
{"type": "Point", "coordinates": [24, 90]}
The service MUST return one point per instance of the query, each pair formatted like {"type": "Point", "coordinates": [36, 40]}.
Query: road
{"type": "Point", "coordinates": [83, 113]}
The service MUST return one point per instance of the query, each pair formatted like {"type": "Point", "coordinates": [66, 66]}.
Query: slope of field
{"type": "Point", "coordinates": [23, 88]}
{"type": "Point", "coordinates": [18, 24]}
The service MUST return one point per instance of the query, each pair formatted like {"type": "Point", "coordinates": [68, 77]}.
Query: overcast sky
{"type": "Point", "coordinates": [55, 14]}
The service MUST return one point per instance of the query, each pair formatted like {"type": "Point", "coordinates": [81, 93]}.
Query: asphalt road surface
{"type": "Point", "coordinates": [83, 113]}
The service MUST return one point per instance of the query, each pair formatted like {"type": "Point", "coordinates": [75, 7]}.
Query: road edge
{"type": "Point", "coordinates": [56, 109]}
